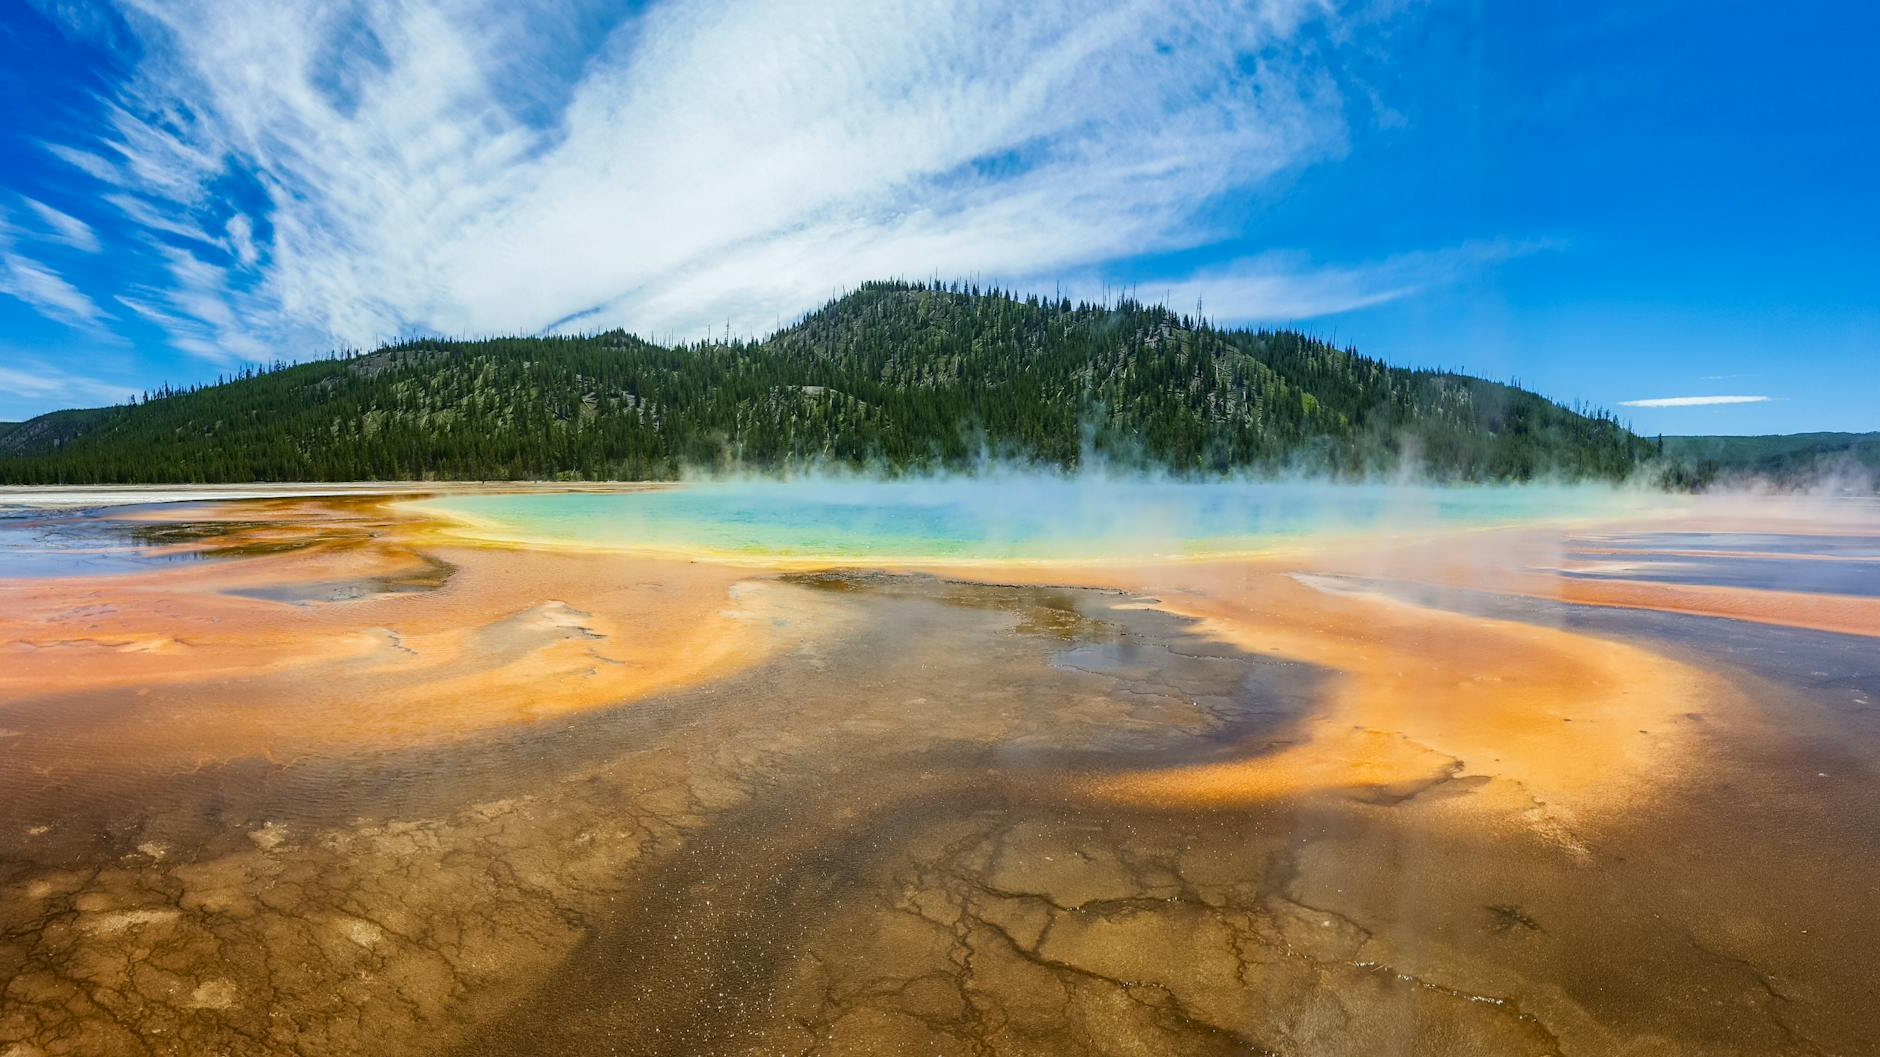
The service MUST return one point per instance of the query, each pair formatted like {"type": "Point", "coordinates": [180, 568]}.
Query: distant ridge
{"type": "Point", "coordinates": [1790, 457]}
{"type": "Point", "coordinates": [897, 377]}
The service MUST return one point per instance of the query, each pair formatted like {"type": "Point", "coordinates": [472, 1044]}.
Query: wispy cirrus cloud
{"type": "Point", "coordinates": [33, 381]}
{"type": "Point", "coordinates": [460, 166]}
{"type": "Point", "coordinates": [63, 227]}
{"type": "Point", "coordinates": [1285, 287]}
{"type": "Point", "coordinates": [1694, 401]}
{"type": "Point", "coordinates": [46, 290]}
{"type": "Point", "coordinates": [93, 165]}
{"type": "Point", "coordinates": [28, 279]}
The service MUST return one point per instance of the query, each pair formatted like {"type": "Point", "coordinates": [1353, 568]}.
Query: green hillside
{"type": "Point", "coordinates": [1792, 457]}
{"type": "Point", "coordinates": [896, 376]}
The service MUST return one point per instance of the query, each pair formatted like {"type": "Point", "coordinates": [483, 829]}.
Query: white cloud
{"type": "Point", "coordinates": [41, 287]}
{"type": "Point", "coordinates": [712, 161]}
{"type": "Point", "coordinates": [241, 240]}
{"type": "Point", "coordinates": [92, 165]}
{"type": "Point", "coordinates": [64, 227]}
{"type": "Point", "coordinates": [37, 383]}
{"type": "Point", "coordinates": [46, 291]}
{"type": "Point", "coordinates": [1693, 401]}
{"type": "Point", "coordinates": [196, 337]}
{"type": "Point", "coordinates": [156, 218]}
{"type": "Point", "coordinates": [152, 313]}
{"type": "Point", "coordinates": [1283, 287]}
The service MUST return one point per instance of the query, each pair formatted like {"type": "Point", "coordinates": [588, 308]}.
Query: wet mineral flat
{"type": "Point", "coordinates": [317, 775]}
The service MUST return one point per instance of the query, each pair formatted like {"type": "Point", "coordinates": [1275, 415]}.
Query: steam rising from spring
{"type": "Point", "coordinates": [1016, 516]}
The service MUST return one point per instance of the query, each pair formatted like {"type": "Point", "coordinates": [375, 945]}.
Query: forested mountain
{"type": "Point", "coordinates": [895, 376]}
{"type": "Point", "coordinates": [1792, 457]}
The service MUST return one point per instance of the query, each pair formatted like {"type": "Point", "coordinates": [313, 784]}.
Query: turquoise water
{"type": "Point", "coordinates": [1029, 518]}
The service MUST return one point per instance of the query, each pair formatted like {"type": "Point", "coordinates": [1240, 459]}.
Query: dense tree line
{"type": "Point", "coordinates": [1846, 460]}
{"type": "Point", "coordinates": [897, 376]}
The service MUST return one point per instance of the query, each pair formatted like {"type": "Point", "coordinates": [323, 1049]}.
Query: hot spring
{"type": "Point", "coordinates": [1017, 518]}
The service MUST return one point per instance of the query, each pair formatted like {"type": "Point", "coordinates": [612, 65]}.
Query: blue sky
{"type": "Point", "coordinates": [1648, 202]}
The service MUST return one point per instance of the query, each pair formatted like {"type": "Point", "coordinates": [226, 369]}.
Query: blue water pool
{"type": "Point", "coordinates": [1014, 518]}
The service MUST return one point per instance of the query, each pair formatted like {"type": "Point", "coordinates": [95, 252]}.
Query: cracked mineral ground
{"type": "Point", "coordinates": [314, 777]}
